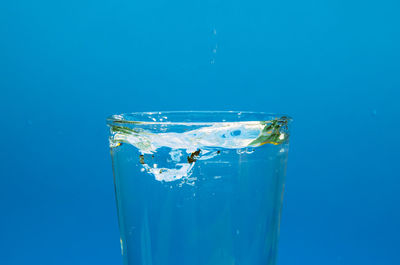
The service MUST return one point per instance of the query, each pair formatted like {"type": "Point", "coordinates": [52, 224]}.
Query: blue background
{"type": "Point", "coordinates": [333, 65]}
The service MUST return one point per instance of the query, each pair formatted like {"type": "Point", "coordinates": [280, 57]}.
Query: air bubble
{"type": "Point", "coordinates": [250, 150]}
{"type": "Point", "coordinates": [236, 133]}
{"type": "Point", "coordinates": [240, 151]}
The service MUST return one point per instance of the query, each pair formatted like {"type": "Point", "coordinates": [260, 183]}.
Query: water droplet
{"type": "Point", "coordinates": [212, 61]}
{"type": "Point", "coordinates": [214, 50]}
{"type": "Point", "coordinates": [237, 232]}
{"type": "Point", "coordinates": [217, 177]}
{"type": "Point", "coordinates": [215, 31]}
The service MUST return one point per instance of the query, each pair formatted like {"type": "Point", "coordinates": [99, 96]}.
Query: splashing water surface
{"type": "Point", "coordinates": [202, 143]}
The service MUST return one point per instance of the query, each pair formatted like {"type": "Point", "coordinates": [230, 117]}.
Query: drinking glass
{"type": "Point", "coordinates": [199, 188]}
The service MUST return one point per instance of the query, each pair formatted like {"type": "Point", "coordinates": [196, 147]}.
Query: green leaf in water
{"type": "Point", "coordinates": [274, 132]}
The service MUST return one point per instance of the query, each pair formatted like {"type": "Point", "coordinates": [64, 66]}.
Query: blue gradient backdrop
{"type": "Point", "coordinates": [332, 65]}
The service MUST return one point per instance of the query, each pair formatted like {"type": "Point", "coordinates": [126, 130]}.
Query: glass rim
{"type": "Point", "coordinates": [150, 118]}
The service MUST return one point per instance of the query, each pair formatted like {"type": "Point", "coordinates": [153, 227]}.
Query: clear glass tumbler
{"type": "Point", "coordinates": [199, 188]}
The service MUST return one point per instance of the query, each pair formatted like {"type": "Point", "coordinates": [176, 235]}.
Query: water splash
{"type": "Point", "coordinates": [198, 144]}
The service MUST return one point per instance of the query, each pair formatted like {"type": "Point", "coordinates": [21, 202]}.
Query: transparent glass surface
{"type": "Point", "coordinates": [199, 188]}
